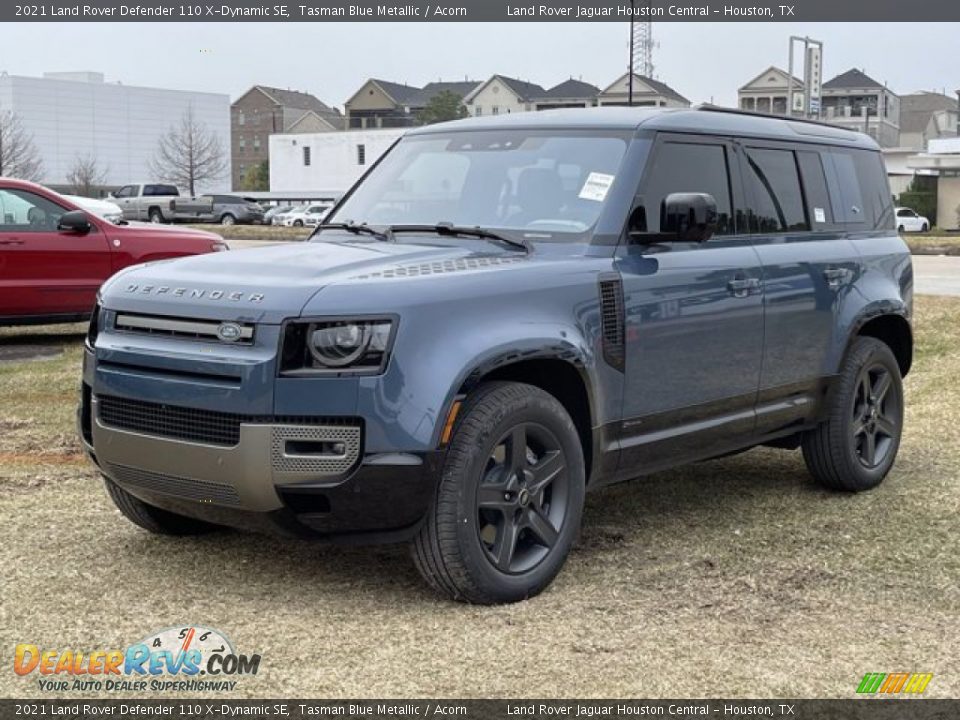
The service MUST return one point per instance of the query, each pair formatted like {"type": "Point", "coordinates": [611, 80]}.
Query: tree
{"type": "Point", "coordinates": [85, 175]}
{"type": "Point", "coordinates": [19, 157]}
{"type": "Point", "coordinates": [189, 154]}
{"type": "Point", "coordinates": [257, 177]}
{"type": "Point", "coordinates": [443, 106]}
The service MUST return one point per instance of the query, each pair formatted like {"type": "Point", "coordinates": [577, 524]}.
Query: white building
{"type": "Point", "coordinates": [328, 161]}
{"type": "Point", "coordinates": [77, 113]}
{"type": "Point", "coordinates": [942, 159]}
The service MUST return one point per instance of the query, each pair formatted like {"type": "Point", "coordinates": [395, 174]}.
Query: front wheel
{"type": "Point", "coordinates": [854, 448]}
{"type": "Point", "coordinates": [228, 219]}
{"type": "Point", "coordinates": [298, 223]}
{"type": "Point", "coordinates": [510, 499]}
{"type": "Point", "coordinates": [924, 227]}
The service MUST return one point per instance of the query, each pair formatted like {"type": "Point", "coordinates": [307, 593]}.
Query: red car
{"type": "Point", "coordinates": [54, 255]}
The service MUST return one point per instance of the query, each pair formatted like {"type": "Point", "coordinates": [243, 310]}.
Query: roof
{"type": "Point", "coordinates": [658, 87]}
{"type": "Point", "coordinates": [852, 78]}
{"type": "Point", "coordinates": [699, 119]}
{"type": "Point", "coordinates": [521, 88]}
{"type": "Point", "coordinates": [295, 99]}
{"type": "Point", "coordinates": [431, 90]}
{"type": "Point", "coordinates": [572, 89]}
{"type": "Point", "coordinates": [917, 109]}
{"type": "Point", "coordinates": [772, 69]}
{"type": "Point", "coordinates": [398, 92]}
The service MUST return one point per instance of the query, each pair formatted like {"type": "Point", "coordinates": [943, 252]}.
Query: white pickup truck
{"type": "Point", "coordinates": [147, 201]}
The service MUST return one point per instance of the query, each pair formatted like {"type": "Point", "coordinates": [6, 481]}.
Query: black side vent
{"type": "Point", "coordinates": [612, 319]}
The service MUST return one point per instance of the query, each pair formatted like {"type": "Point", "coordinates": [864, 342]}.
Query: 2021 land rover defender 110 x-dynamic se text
{"type": "Point", "coordinates": [502, 314]}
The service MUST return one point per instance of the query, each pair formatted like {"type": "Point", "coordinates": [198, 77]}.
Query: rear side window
{"type": "Point", "coordinates": [689, 168]}
{"type": "Point", "coordinates": [157, 190]}
{"type": "Point", "coordinates": [778, 204]}
{"type": "Point", "coordinates": [877, 200]}
{"type": "Point", "coordinates": [845, 190]}
{"type": "Point", "coordinates": [816, 194]}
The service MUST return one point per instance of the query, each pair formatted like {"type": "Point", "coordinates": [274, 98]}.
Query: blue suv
{"type": "Point", "coordinates": [502, 314]}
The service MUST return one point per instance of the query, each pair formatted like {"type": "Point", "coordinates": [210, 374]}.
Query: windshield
{"type": "Point", "coordinates": [539, 183]}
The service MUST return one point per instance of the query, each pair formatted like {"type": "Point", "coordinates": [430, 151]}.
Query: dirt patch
{"type": "Point", "coordinates": [18, 353]}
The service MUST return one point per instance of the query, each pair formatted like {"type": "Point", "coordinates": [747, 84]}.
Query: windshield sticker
{"type": "Point", "coordinates": [596, 187]}
{"type": "Point", "coordinates": [819, 215]}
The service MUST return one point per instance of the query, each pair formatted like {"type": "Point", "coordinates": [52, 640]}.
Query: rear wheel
{"type": "Point", "coordinates": [924, 227]}
{"type": "Point", "coordinates": [298, 223]}
{"type": "Point", "coordinates": [855, 447]}
{"type": "Point", "coordinates": [901, 229]}
{"type": "Point", "coordinates": [228, 219]}
{"type": "Point", "coordinates": [156, 216]}
{"type": "Point", "coordinates": [510, 498]}
{"type": "Point", "coordinates": [160, 522]}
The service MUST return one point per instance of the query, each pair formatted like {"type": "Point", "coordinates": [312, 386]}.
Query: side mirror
{"type": "Point", "coordinates": [74, 221]}
{"type": "Point", "coordinates": [690, 217]}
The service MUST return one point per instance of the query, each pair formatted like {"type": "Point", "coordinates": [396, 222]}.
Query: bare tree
{"type": "Point", "coordinates": [86, 175]}
{"type": "Point", "coordinates": [189, 154]}
{"type": "Point", "coordinates": [19, 157]}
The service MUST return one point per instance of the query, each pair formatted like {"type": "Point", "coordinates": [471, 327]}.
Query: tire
{"type": "Point", "coordinates": [490, 537]}
{"type": "Point", "coordinates": [153, 519]}
{"type": "Point", "coordinates": [298, 223]}
{"type": "Point", "coordinates": [228, 219]}
{"type": "Point", "coordinates": [924, 227]}
{"type": "Point", "coordinates": [155, 216]}
{"type": "Point", "coordinates": [855, 447]}
{"type": "Point", "coordinates": [901, 229]}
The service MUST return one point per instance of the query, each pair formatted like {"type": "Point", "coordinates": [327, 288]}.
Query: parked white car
{"type": "Point", "coordinates": [111, 212]}
{"type": "Point", "coordinates": [308, 215]}
{"type": "Point", "coordinates": [909, 221]}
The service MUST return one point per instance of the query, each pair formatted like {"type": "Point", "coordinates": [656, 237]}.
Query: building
{"type": "Point", "coordinates": [263, 111]}
{"type": "Point", "coordinates": [502, 95]}
{"type": "Point", "coordinates": [942, 160]}
{"type": "Point", "coordinates": [647, 92]}
{"type": "Point", "coordinates": [386, 104]}
{"type": "Point", "coordinates": [568, 94]}
{"type": "Point", "coordinates": [855, 101]}
{"type": "Point", "coordinates": [926, 116]}
{"type": "Point", "coordinates": [325, 162]}
{"type": "Point", "coordinates": [79, 114]}
{"type": "Point", "coordinates": [769, 92]}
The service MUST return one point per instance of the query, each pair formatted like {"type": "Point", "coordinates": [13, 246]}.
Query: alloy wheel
{"type": "Point", "coordinates": [876, 416]}
{"type": "Point", "coordinates": [522, 498]}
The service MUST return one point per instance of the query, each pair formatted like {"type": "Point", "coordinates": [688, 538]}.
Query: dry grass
{"type": "Point", "coordinates": [736, 577]}
{"type": "Point", "coordinates": [257, 232]}
{"type": "Point", "coordinates": [921, 244]}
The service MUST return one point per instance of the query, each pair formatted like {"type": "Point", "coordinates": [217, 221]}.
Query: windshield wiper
{"type": "Point", "coordinates": [448, 228]}
{"type": "Point", "coordinates": [385, 235]}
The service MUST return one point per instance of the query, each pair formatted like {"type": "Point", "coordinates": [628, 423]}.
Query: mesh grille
{"type": "Point", "coordinates": [611, 308]}
{"type": "Point", "coordinates": [189, 488]}
{"type": "Point", "coordinates": [322, 465]}
{"type": "Point", "coordinates": [180, 423]}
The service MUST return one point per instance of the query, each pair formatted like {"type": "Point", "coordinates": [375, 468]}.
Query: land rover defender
{"type": "Point", "coordinates": [502, 314]}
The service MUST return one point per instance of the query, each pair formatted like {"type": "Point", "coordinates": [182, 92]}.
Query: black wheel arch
{"type": "Point", "coordinates": [565, 378]}
{"type": "Point", "coordinates": [893, 330]}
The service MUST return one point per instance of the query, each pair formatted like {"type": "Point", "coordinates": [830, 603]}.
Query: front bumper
{"type": "Point", "coordinates": [273, 479]}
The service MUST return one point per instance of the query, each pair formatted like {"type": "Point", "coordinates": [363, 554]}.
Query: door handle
{"type": "Point", "coordinates": [743, 287]}
{"type": "Point", "coordinates": [11, 242]}
{"type": "Point", "coordinates": [835, 277]}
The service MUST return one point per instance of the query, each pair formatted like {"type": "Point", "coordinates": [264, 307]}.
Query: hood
{"type": "Point", "coordinates": [270, 284]}
{"type": "Point", "coordinates": [145, 229]}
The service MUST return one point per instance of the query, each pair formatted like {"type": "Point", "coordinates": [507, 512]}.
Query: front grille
{"type": "Point", "coordinates": [189, 488]}
{"type": "Point", "coordinates": [179, 423]}
{"type": "Point", "coordinates": [184, 329]}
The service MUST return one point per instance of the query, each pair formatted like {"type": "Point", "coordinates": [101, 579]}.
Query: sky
{"type": "Point", "coordinates": [705, 62]}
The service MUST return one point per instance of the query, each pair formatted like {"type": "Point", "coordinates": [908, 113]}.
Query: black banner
{"type": "Point", "coordinates": [852, 709]}
{"type": "Point", "coordinates": [483, 11]}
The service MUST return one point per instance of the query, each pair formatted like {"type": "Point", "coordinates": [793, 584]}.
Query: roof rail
{"type": "Point", "coordinates": [707, 107]}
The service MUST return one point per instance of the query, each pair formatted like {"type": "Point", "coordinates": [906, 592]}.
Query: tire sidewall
{"type": "Point", "coordinates": [540, 410]}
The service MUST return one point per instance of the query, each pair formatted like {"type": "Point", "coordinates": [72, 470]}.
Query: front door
{"type": "Point", "coordinates": [694, 317]}
{"type": "Point", "coordinates": [43, 271]}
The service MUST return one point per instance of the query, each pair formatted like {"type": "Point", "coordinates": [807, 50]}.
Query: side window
{"type": "Point", "coordinates": [689, 168]}
{"type": "Point", "coordinates": [775, 188]}
{"type": "Point", "coordinates": [815, 189]}
{"type": "Point", "coordinates": [845, 191]}
{"type": "Point", "coordinates": [23, 211]}
{"type": "Point", "coordinates": [903, 212]}
{"type": "Point", "coordinates": [877, 200]}
{"type": "Point", "coordinates": [125, 191]}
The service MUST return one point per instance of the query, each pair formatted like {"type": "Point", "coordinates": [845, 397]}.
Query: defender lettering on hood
{"type": "Point", "coordinates": [195, 293]}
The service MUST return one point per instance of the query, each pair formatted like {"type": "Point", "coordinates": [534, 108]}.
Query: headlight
{"type": "Point", "coordinates": [336, 346]}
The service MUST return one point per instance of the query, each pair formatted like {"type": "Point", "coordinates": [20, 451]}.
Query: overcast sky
{"type": "Point", "coordinates": [702, 61]}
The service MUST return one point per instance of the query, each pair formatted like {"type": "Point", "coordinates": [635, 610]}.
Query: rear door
{"type": "Point", "coordinates": [809, 266]}
{"type": "Point", "coordinates": [694, 316]}
{"type": "Point", "coordinates": [44, 271]}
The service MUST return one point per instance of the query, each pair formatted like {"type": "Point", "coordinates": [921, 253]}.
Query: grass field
{"type": "Point", "coordinates": [731, 578]}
